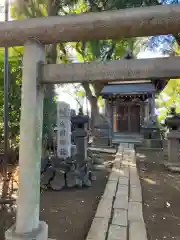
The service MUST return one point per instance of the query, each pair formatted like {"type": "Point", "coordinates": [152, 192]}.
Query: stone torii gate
{"type": "Point", "coordinates": [34, 34]}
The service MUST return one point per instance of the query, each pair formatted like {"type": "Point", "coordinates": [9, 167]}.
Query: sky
{"type": "Point", "coordinates": [63, 95]}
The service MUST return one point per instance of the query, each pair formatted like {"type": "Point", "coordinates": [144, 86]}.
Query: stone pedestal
{"type": "Point", "coordinates": [81, 142]}
{"type": "Point", "coordinates": [173, 150]}
{"type": "Point", "coordinates": [41, 233]}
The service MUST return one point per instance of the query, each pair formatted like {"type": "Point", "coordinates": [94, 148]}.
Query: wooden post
{"type": "Point", "coordinates": [27, 219]}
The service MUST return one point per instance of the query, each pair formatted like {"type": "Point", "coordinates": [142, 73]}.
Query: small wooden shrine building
{"type": "Point", "coordinates": [129, 105]}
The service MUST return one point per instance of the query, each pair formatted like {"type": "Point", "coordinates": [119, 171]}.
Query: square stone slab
{"type": "Point", "coordinates": [135, 211]}
{"type": "Point", "coordinates": [117, 233]}
{"type": "Point", "coordinates": [104, 208]}
{"type": "Point", "coordinates": [137, 231]}
{"type": "Point", "coordinates": [120, 217]}
{"type": "Point", "coordinates": [98, 229]}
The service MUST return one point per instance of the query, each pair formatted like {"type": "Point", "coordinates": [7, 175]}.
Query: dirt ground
{"type": "Point", "coordinates": [69, 213]}
{"type": "Point", "coordinates": [161, 196]}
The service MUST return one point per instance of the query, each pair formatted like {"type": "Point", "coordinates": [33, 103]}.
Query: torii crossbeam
{"type": "Point", "coordinates": [134, 22]}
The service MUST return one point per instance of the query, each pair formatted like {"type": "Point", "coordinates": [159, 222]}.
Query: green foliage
{"type": "Point", "coordinates": [15, 76]}
{"type": "Point", "coordinates": [80, 93]}
{"type": "Point", "coordinates": [170, 96]}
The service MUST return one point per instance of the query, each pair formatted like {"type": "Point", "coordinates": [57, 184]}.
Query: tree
{"type": "Point", "coordinates": [74, 91]}
{"type": "Point", "coordinates": [21, 9]}
{"type": "Point", "coordinates": [105, 50]}
{"type": "Point", "coordinates": [170, 96]}
{"type": "Point", "coordinates": [86, 51]}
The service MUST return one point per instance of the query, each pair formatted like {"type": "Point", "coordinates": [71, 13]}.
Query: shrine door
{"type": "Point", "coordinates": [128, 118]}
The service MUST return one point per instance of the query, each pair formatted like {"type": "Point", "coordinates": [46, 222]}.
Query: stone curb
{"type": "Point", "coordinates": [119, 214]}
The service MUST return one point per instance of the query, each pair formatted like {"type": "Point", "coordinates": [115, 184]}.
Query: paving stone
{"type": "Point", "coordinates": [133, 171]}
{"type": "Point", "coordinates": [117, 233]}
{"type": "Point", "coordinates": [137, 231]}
{"type": "Point", "coordinates": [122, 190]}
{"type": "Point", "coordinates": [120, 217]}
{"type": "Point", "coordinates": [98, 230]}
{"type": "Point", "coordinates": [124, 163]}
{"type": "Point", "coordinates": [104, 208]}
{"type": "Point", "coordinates": [123, 181]}
{"type": "Point", "coordinates": [134, 176]}
{"type": "Point", "coordinates": [121, 202]}
{"type": "Point", "coordinates": [124, 172]}
{"type": "Point", "coordinates": [135, 193]}
{"type": "Point", "coordinates": [110, 190]}
{"type": "Point", "coordinates": [135, 211]}
{"type": "Point", "coordinates": [114, 176]}
{"type": "Point", "coordinates": [116, 164]}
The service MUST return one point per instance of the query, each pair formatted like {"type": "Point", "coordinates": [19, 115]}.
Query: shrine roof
{"type": "Point", "coordinates": [128, 89]}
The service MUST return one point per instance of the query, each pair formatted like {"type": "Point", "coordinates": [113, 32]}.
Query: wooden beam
{"type": "Point", "coordinates": [136, 69]}
{"type": "Point", "coordinates": [134, 22]}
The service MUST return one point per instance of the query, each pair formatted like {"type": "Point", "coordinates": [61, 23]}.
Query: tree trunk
{"type": "Point", "coordinates": [94, 105]}
{"type": "Point", "coordinates": [49, 105]}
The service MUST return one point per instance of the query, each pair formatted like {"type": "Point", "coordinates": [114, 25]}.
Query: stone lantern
{"type": "Point", "coordinates": [173, 122]}
{"type": "Point", "coordinates": [80, 133]}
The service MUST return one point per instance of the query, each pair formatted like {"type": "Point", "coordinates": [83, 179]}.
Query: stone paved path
{"type": "Point", "coordinates": [119, 215]}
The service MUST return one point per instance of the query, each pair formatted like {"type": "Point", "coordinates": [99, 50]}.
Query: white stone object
{"type": "Point", "coordinates": [63, 130]}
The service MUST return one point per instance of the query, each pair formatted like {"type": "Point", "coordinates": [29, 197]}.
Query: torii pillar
{"type": "Point", "coordinates": [27, 224]}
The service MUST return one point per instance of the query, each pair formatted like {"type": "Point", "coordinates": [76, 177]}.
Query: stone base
{"type": "Point", "coordinates": [173, 167]}
{"type": "Point", "coordinates": [39, 234]}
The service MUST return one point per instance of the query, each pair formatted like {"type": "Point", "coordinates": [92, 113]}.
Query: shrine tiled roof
{"type": "Point", "coordinates": [129, 89]}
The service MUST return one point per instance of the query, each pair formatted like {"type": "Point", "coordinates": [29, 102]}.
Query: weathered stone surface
{"type": "Point", "coordinates": [125, 162]}
{"type": "Point", "coordinates": [110, 190]}
{"type": "Point", "coordinates": [117, 233]}
{"type": "Point", "coordinates": [86, 180]}
{"type": "Point", "coordinates": [134, 176]}
{"type": "Point", "coordinates": [98, 161]}
{"type": "Point", "coordinates": [72, 179]}
{"type": "Point", "coordinates": [124, 172]}
{"type": "Point", "coordinates": [135, 211]}
{"type": "Point", "coordinates": [116, 164]}
{"type": "Point", "coordinates": [123, 181]}
{"type": "Point", "coordinates": [135, 193]}
{"type": "Point", "coordinates": [92, 176]}
{"type": "Point", "coordinates": [137, 230]}
{"type": "Point", "coordinates": [131, 145]}
{"type": "Point", "coordinates": [114, 176]}
{"type": "Point", "coordinates": [175, 169]}
{"type": "Point", "coordinates": [58, 182]}
{"type": "Point", "coordinates": [122, 190]}
{"type": "Point", "coordinates": [120, 217]}
{"type": "Point", "coordinates": [104, 208]}
{"type": "Point", "coordinates": [36, 234]}
{"type": "Point", "coordinates": [121, 202]}
{"type": "Point", "coordinates": [46, 176]}
{"type": "Point", "coordinates": [98, 229]}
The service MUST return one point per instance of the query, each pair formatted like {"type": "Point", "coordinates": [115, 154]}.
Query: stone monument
{"type": "Point", "coordinates": [63, 130]}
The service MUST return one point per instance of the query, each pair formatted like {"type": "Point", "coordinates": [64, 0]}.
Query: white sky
{"type": "Point", "coordinates": [71, 100]}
